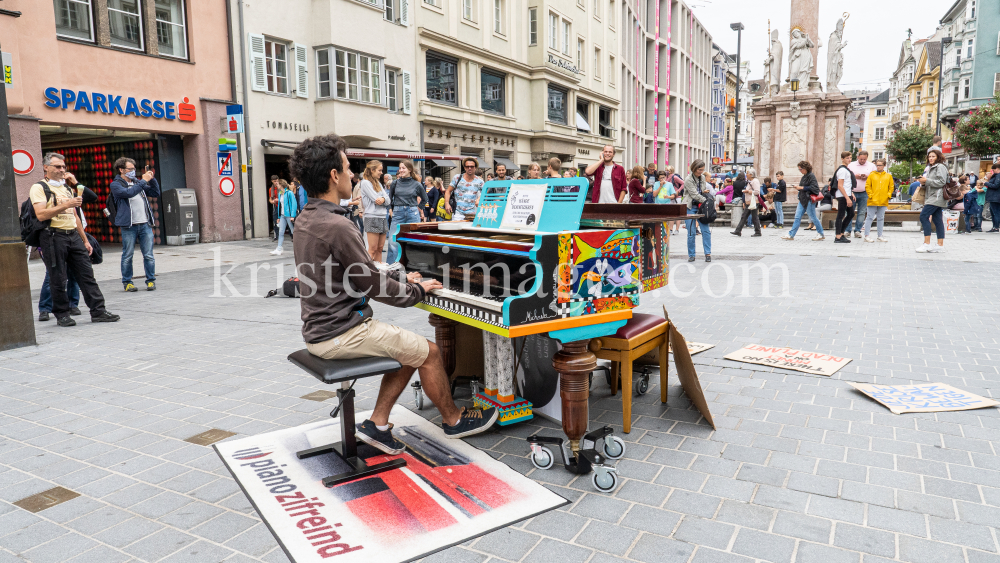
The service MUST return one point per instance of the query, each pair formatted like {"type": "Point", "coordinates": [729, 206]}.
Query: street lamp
{"type": "Point", "coordinates": [738, 28]}
{"type": "Point", "coordinates": [794, 85]}
{"type": "Point", "coordinates": [944, 41]}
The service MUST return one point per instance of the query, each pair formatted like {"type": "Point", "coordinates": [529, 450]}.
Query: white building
{"type": "Point", "coordinates": [302, 70]}
{"type": "Point", "coordinates": [902, 77]}
{"type": "Point", "coordinates": [513, 82]}
{"type": "Point", "coordinates": [876, 129]}
{"type": "Point", "coordinates": [666, 103]}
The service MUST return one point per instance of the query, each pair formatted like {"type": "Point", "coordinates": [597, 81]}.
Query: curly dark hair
{"type": "Point", "coordinates": [122, 163]}
{"type": "Point", "coordinates": [313, 160]}
{"type": "Point", "coordinates": [805, 166]}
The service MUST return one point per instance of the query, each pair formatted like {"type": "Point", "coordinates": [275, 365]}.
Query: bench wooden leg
{"type": "Point", "coordinates": [664, 366]}
{"type": "Point", "coordinates": [615, 368]}
{"type": "Point", "coordinates": [626, 368]}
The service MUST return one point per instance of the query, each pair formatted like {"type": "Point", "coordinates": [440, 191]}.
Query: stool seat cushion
{"type": "Point", "coordinates": [335, 371]}
{"type": "Point", "coordinates": [638, 324]}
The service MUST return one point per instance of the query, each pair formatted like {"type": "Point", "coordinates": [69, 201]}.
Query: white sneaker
{"type": "Point", "coordinates": [924, 248]}
{"type": "Point", "coordinates": [936, 249]}
{"type": "Point", "coordinates": [276, 252]}
{"type": "Point", "coordinates": [882, 239]}
{"type": "Point", "coordinates": [857, 234]}
{"type": "Point", "coordinates": [819, 237]}
{"type": "Point", "coordinates": [786, 237]}
{"type": "Point", "coordinates": [869, 239]}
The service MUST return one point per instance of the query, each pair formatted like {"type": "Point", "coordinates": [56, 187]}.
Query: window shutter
{"type": "Point", "coordinates": [404, 12]}
{"type": "Point", "coordinates": [406, 92]}
{"type": "Point", "coordinates": [996, 83]}
{"type": "Point", "coordinates": [998, 43]}
{"type": "Point", "coordinates": [301, 70]}
{"type": "Point", "coordinates": [258, 82]}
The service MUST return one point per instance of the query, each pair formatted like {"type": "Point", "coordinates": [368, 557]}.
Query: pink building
{"type": "Point", "coordinates": [99, 79]}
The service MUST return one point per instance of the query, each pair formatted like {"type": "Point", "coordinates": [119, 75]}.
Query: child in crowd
{"type": "Point", "coordinates": [972, 209]}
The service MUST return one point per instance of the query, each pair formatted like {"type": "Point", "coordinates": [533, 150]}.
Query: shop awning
{"type": "Point", "coordinates": [373, 153]}
{"type": "Point", "coordinates": [441, 163]}
{"type": "Point", "coordinates": [510, 164]}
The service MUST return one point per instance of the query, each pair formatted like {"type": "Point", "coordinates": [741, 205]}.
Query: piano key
{"type": "Point", "coordinates": [488, 304]}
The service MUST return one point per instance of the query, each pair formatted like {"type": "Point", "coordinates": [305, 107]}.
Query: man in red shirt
{"type": "Point", "coordinates": [609, 178]}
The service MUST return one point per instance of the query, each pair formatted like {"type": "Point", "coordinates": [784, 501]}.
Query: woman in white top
{"type": "Point", "coordinates": [376, 203]}
{"type": "Point", "coordinates": [534, 171]}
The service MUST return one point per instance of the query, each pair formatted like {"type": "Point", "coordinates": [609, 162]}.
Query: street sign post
{"type": "Point", "coordinates": [225, 163]}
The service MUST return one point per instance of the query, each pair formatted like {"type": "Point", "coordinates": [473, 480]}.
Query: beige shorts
{"type": "Point", "coordinates": [372, 338]}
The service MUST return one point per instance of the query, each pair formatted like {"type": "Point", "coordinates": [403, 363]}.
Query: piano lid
{"type": "Point", "coordinates": [545, 205]}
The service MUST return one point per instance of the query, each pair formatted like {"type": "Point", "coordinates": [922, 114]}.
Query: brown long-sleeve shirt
{"type": "Point", "coordinates": [337, 276]}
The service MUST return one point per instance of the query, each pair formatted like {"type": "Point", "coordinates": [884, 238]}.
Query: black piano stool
{"type": "Point", "coordinates": [344, 371]}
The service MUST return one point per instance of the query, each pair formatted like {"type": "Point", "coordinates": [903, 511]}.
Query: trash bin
{"type": "Point", "coordinates": [736, 208]}
{"type": "Point", "coordinates": [180, 216]}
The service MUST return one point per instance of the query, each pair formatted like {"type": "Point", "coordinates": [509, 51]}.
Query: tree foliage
{"type": "Point", "coordinates": [903, 170]}
{"type": "Point", "coordinates": [979, 131]}
{"type": "Point", "coordinates": [910, 143]}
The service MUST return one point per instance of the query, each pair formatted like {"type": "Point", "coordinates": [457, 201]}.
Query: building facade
{"type": "Point", "coordinates": [923, 90]}
{"type": "Point", "coordinates": [720, 68]}
{"type": "Point", "coordinates": [902, 77]}
{"type": "Point", "coordinates": [301, 71]}
{"type": "Point", "coordinates": [876, 125]}
{"type": "Point", "coordinates": [666, 78]}
{"type": "Point", "coordinates": [147, 80]}
{"type": "Point", "coordinates": [518, 82]}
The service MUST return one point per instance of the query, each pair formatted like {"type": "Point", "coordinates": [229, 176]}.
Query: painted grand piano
{"type": "Point", "coordinates": [539, 268]}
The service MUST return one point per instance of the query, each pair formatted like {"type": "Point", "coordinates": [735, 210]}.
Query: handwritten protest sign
{"type": "Point", "coordinates": [653, 356]}
{"type": "Point", "coordinates": [926, 397]}
{"type": "Point", "coordinates": [695, 347]}
{"type": "Point", "coordinates": [788, 358]}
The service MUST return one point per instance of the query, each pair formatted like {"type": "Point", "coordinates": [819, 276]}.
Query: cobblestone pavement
{"type": "Point", "coordinates": [801, 468]}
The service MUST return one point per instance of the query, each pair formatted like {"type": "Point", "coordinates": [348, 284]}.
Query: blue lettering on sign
{"type": "Point", "coordinates": [94, 102]}
{"type": "Point", "coordinates": [100, 102]}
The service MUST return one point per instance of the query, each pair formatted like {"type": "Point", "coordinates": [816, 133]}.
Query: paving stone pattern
{"type": "Point", "coordinates": [801, 468]}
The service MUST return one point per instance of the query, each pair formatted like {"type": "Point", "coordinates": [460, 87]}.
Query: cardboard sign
{"type": "Point", "coordinates": [524, 207]}
{"type": "Point", "coordinates": [695, 347]}
{"type": "Point", "coordinates": [788, 358]}
{"type": "Point", "coordinates": [686, 372]}
{"type": "Point", "coordinates": [925, 397]}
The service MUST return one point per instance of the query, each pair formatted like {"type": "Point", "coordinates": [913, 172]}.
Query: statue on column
{"type": "Point", "coordinates": [800, 59]}
{"type": "Point", "coordinates": [835, 57]}
{"type": "Point", "coordinates": [773, 65]}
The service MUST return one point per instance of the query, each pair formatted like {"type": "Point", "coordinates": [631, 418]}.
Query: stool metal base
{"type": "Point", "coordinates": [359, 469]}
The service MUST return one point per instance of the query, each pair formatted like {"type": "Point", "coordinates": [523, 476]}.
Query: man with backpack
{"type": "Point", "coordinates": [131, 213]}
{"type": "Point", "coordinates": [842, 188]}
{"type": "Point", "coordinates": [51, 224]}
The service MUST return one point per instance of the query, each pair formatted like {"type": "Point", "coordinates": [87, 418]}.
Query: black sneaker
{"type": "Point", "coordinates": [842, 240]}
{"type": "Point", "coordinates": [471, 421]}
{"type": "Point", "coordinates": [150, 286]}
{"type": "Point", "coordinates": [130, 287]}
{"type": "Point", "coordinates": [690, 258]}
{"type": "Point", "coordinates": [735, 233]}
{"type": "Point", "coordinates": [66, 321]}
{"type": "Point", "coordinates": [105, 317]}
{"type": "Point", "coordinates": [708, 257]}
{"type": "Point", "coordinates": [75, 311]}
{"type": "Point", "coordinates": [755, 235]}
{"type": "Point", "coordinates": [43, 316]}
{"type": "Point", "coordinates": [368, 433]}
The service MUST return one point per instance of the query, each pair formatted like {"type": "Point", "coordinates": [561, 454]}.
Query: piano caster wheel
{"type": "Point", "coordinates": [474, 387]}
{"type": "Point", "coordinates": [641, 384]}
{"type": "Point", "coordinates": [541, 457]}
{"type": "Point", "coordinates": [614, 447]}
{"type": "Point", "coordinates": [418, 395]}
{"type": "Point", "coordinates": [604, 478]}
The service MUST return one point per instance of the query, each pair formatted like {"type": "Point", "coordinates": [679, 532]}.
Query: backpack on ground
{"type": "Point", "coordinates": [290, 288]}
{"type": "Point", "coordinates": [31, 227]}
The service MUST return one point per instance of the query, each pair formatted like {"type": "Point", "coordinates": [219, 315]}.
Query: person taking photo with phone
{"type": "Point", "coordinates": [134, 218]}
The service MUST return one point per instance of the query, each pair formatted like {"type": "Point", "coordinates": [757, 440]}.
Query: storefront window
{"type": "Point", "coordinates": [125, 20]}
{"type": "Point", "coordinates": [604, 121]}
{"type": "Point", "coordinates": [73, 19]}
{"type": "Point", "coordinates": [441, 79]}
{"type": "Point", "coordinates": [171, 29]}
{"type": "Point", "coordinates": [557, 105]}
{"type": "Point", "coordinates": [276, 66]}
{"type": "Point", "coordinates": [492, 92]}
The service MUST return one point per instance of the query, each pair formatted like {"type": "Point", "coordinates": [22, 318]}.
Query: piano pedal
{"type": "Point", "coordinates": [588, 460]}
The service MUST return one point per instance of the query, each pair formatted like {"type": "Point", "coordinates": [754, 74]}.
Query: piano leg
{"type": "Point", "coordinates": [444, 336]}
{"type": "Point", "coordinates": [574, 362]}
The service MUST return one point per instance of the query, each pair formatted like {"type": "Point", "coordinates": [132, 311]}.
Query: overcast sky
{"type": "Point", "coordinates": [874, 33]}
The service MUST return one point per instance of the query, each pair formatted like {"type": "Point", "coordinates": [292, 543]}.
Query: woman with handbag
{"type": "Point", "coordinates": [695, 192]}
{"type": "Point", "coordinates": [751, 205]}
{"type": "Point", "coordinates": [809, 195]}
{"type": "Point", "coordinates": [934, 202]}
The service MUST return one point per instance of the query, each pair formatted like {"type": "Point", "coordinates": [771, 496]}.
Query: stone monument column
{"type": "Point", "coordinates": [805, 16]}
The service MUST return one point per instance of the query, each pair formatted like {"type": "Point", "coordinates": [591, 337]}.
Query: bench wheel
{"type": "Point", "coordinates": [542, 458]}
{"type": "Point", "coordinates": [604, 480]}
{"type": "Point", "coordinates": [614, 447]}
{"type": "Point", "coordinates": [641, 384]}
{"type": "Point", "coordinates": [474, 387]}
{"type": "Point", "coordinates": [418, 397]}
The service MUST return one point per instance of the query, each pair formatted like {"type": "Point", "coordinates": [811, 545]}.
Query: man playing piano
{"type": "Point", "coordinates": [339, 279]}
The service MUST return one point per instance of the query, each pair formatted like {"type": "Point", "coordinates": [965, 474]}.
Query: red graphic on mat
{"type": "Point", "coordinates": [186, 111]}
{"type": "Point", "coordinates": [254, 456]}
{"type": "Point", "coordinates": [399, 507]}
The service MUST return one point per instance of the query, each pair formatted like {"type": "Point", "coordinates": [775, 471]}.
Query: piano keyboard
{"type": "Point", "coordinates": [488, 304]}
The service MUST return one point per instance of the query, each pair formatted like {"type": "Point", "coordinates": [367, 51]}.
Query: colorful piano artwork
{"type": "Point", "coordinates": [525, 266]}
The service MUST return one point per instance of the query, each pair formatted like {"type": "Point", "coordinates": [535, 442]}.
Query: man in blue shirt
{"type": "Point", "coordinates": [913, 188]}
